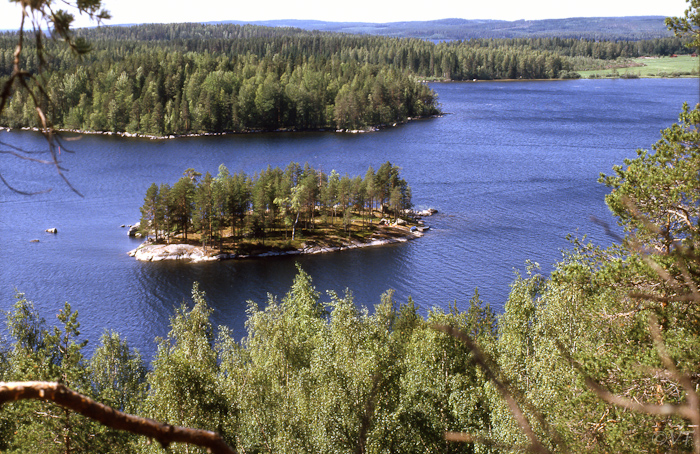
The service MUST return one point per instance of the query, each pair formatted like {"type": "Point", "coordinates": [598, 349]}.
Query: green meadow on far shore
{"type": "Point", "coordinates": [680, 66]}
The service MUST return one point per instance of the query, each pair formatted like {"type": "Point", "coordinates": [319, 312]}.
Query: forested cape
{"type": "Point", "coordinates": [194, 78]}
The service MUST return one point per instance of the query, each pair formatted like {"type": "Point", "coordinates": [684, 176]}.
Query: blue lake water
{"type": "Point", "coordinates": [512, 168]}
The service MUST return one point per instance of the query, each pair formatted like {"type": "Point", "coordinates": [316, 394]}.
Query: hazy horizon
{"type": "Point", "coordinates": [130, 12]}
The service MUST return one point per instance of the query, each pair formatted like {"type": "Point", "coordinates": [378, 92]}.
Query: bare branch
{"type": "Point", "coordinates": [606, 227]}
{"type": "Point", "coordinates": [165, 434]}
{"type": "Point", "coordinates": [601, 391]}
{"type": "Point", "coordinates": [19, 191]}
{"type": "Point", "coordinates": [37, 15]}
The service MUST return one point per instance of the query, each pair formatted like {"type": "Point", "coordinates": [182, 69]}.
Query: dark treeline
{"type": "Point", "coordinates": [604, 50]}
{"type": "Point", "coordinates": [193, 78]}
{"type": "Point", "coordinates": [234, 205]}
{"type": "Point", "coordinates": [232, 40]}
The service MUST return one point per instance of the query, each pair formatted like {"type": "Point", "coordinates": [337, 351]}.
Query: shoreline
{"type": "Point", "coordinates": [150, 252]}
{"type": "Point", "coordinates": [137, 135]}
{"type": "Point", "coordinates": [620, 77]}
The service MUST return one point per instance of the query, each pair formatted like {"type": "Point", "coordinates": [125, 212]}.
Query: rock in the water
{"type": "Point", "coordinates": [52, 230]}
{"type": "Point", "coordinates": [134, 229]}
{"type": "Point", "coordinates": [426, 212]}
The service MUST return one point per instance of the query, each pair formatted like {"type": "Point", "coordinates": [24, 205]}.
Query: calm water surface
{"type": "Point", "coordinates": [512, 169]}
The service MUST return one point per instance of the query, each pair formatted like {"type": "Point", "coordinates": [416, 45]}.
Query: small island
{"type": "Point", "coordinates": [298, 210]}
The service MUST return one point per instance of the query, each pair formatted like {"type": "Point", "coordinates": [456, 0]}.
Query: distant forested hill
{"type": "Point", "coordinates": [596, 28]}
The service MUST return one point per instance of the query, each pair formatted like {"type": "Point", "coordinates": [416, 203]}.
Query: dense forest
{"type": "Point", "coordinates": [193, 78]}
{"type": "Point", "coordinates": [236, 205]}
{"type": "Point", "coordinates": [600, 356]}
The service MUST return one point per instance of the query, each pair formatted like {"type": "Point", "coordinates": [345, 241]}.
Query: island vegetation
{"type": "Point", "coordinates": [277, 210]}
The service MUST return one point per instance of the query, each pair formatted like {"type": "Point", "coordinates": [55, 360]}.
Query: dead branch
{"type": "Point", "coordinates": [165, 434]}
{"type": "Point", "coordinates": [39, 15]}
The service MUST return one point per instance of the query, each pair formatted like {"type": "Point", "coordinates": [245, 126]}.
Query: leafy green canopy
{"type": "Point", "coordinates": [115, 375]}
{"type": "Point", "coordinates": [625, 317]}
{"type": "Point", "coordinates": [312, 375]}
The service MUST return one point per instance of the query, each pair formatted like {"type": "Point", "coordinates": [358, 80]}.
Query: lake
{"type": "Point", "coordinates": [511, 167]}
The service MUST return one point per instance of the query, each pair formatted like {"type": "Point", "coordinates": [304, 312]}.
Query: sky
{"type": "Point", "coordinates": [165, 11]}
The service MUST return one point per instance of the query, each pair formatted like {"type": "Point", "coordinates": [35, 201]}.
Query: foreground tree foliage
{"type": "Point", "coordinates": [115, 376]}
{"type": "Point", "coordinates": [312, 375]}
{"type": "Point", "coordinates": [606, 349]}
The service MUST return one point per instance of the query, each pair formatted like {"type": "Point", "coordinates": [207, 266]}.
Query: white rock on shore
{"type": "Point", "coordinates": [157, 252]}
{"type": "Point", "coordinates": [424, 213]}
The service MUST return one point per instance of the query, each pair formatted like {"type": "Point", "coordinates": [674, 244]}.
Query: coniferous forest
{"type": "Point", "coordinates": [601, 355]}
{"type": "Point", "coordinates": [272, 202]}
{"type": "Point", "coordinates": [193, 78]}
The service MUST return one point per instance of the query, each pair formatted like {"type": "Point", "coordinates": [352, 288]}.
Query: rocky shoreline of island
{"type": "Point", "coordinates": [149, 251]}
{"type": "Point", "coordinates": [385, 233]}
